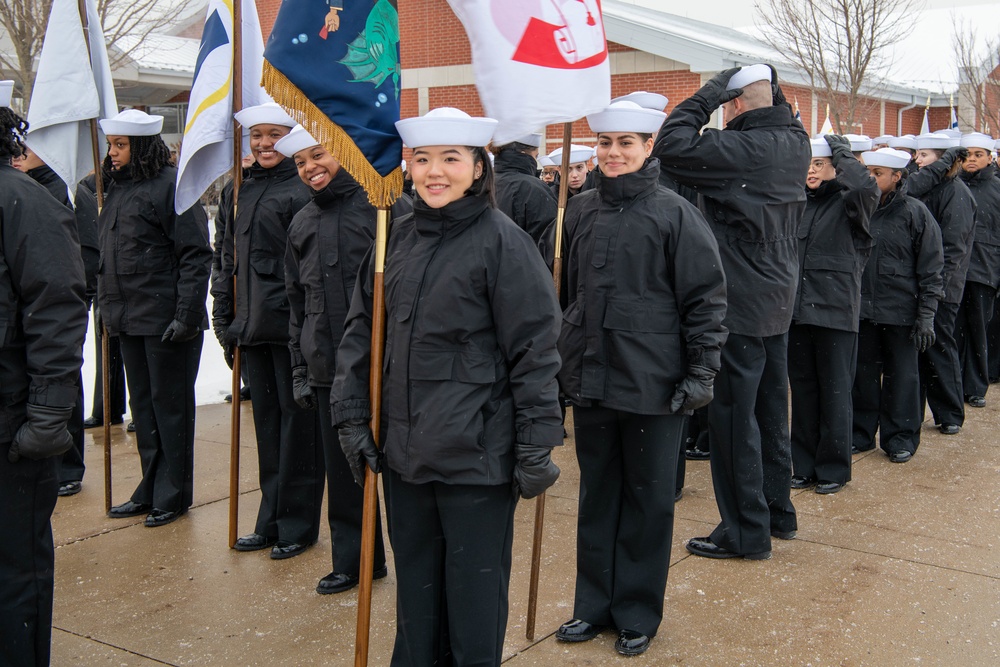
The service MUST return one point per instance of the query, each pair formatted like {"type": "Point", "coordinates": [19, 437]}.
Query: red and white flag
{"type": "Point", "coordinates": [537, 62]}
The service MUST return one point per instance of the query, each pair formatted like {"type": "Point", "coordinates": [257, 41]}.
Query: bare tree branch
{"type": "Point", "coordinates": [978, 59]}
{"type": "Point", "coordinates": [24, 22]}
{"type": "Point", "coordinates": [841, 46]}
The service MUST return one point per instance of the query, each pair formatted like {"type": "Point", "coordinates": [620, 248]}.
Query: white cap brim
{"type": "Point", "coordinates": [544, 161]}
{"type": "Point", "coordinates": [749, 74]}
{"type": "Point", "coordinates": [883, 139]}
{"type": "Point", "coordinates": [6, 92]}
{"type": "Point", "coordinates": [296, 140]}
{"type": "Point", "coordinates": [264, 114]}
{"type": "Point", "coordinates": [886, 157]}
{"type": "Point", "coordinates": [626, 116]}
{"type": "Point", "coordinates": [653, 101]}
{"type": "Point", "coordinates": [859, 142]}
{"type": "Point", "coordinates": [132, 123]}
{"type": "Point", "coordinates": [534, 139]}
{"type": "Point", "coordinates": [446, 126]}
{"type": "Point", "coordinates": [934, 141]}
{"type": "Point", "coordinates": [979, 140]}
{"type": "Point", "coordinates": [820, 148]}
{"type": "Point", "coordinates": [905, 141]}
{"type": "Point", "coordinates": [576, 154]}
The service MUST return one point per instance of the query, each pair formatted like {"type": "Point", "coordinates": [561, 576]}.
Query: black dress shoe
{"type": "Point", "coordinates": [861, 450]}
{"type": "Point", "coordinates": [695, 454]}
{"type": "Point", "coordinates": [630, 642]}
{"type": "Point", "coordinates": [70, 488]}
{"type": "Point", "coordinates": [127, 509]}
{"type": "Point", "coordinates": [902, 456]}
{"type": "Point", "coordinates": [157, 518]}
{"type": "Point", "coordinates": [678, 494]}
{"type": "Point", "coordinates": [338, 582]}
{"type": "Point", "coordinates": [828, 487]}
{"type": "Point", "coordinates": [578, 631]}
{"type": "Point", "coordinates": [977, 401]}
{"type": "Point", "coordinates": [254, 542]}
{"type": "Point", "coordinates": [802, 482]}
{"type": "Point", "coordinates": [949, 429]}
{"type": "Point", "coordinates": [704, 546]}
{"type": "Point", "coordinates": [93, 422]}
{"type": "Point", "coordinates": [784, 534]}
{"type": "Point", "coordinates": [131, 427]}
{"type": "Point", "coordinates": [283, 549]}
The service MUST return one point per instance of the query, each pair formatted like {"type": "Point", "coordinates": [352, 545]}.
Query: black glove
{"type": "Point", "coordinates": [923, 331]}
{"type": "Point", "coordinates": [839, 146]}
{"type": "Point", "coordinates": [777, 94]}
{"type": "Point", "coordinates": [954, 153]}
{"type": "Point", "coordinates": [179, 332]}
{"type": "Point", "coordinates": [714, 91]}
{"type": "Point", "coordinates": [358, 445]}
{"type": "Point", "coordinates": [534, 471]}
{"type": "Point", "coordinates": [694, 391]}
{"type": "Point", "coordinates": [221, 328]}
{"type": "Point", "coordinates": [301, 391]}
{"type": "Point", "coordinates": [43, 435]}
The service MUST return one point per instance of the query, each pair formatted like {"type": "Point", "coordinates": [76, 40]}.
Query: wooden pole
{"type": "Point", "coordinates": [103, 331]}
{"type": "Point", "coordinates": [371, 479]}
{"type": "Point", "coordinates": [536, 542]}
{"type": "Point", "coordinates": [234, 416]}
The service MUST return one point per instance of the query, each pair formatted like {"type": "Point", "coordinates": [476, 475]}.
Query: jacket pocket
{"type": "Point", "coordinates": [315, 302]}
{"type": "Point", "coordinates": [645, 354]}
{"type": "Point", "coordinates": [146, 260]}
{"type": "Point", "coordinates": [449, 365]}
{"type": "Point", "coordinates": [641, 317]}
{"type": "Point", "coordinates": [599, 256]}
{"type": "Point", "coordinates": [267, 267]}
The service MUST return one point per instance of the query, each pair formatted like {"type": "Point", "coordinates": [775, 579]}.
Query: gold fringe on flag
{"type": "Point", "coordinates": [382, 190]}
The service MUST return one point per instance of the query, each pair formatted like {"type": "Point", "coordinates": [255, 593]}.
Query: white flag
{"type": "Point", "coordinates": [827, 125]}
{"type": "Point", "coordinates": [925, 126]}
{"type": "Point", "coordinates": [535, 67]}
{"type": "Point", "coordinates": [71, 87]}
{"type": "Point", "coordinates": [207, 146]}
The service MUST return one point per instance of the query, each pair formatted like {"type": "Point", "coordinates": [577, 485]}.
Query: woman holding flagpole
{"type": "Point", "coordinates": [470, 409]}
{"type": "Point", "coordinates": [640, 346]}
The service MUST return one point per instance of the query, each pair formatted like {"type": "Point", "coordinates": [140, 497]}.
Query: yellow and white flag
{"type": "Point", "coordinates": [827, 125]}
{"type": "Point", "coordinates": [73, 85]}
{"type": "Point", "coordinates": [207, 146]}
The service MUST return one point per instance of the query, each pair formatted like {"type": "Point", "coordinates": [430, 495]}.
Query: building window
{"type": "Point", "coordinates": [173, 116]}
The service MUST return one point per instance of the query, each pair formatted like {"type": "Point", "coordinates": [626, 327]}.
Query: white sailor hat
{"type": "Point", "coordinates": [950, 132]}
{"type": "Point", "coordinates": [6, 92]}
{"type": "Point", "coordinates": [886, 157]}
{"type": "Point", "coordinates": [533, 139]}
{"type": "Point", "coordinates": [446, 126]}
{"type": "Point", "coordinates": [626, 116]}
{"type": "Point", "coordinates": [402, 165]}
{"type": "Point", "coordinates": [979, 140]}
{"type": "Point", "coordinates": [934, 140]}
{"type": "Point", "coordinates": [859, 142]}
{"type": "Point", "coordinates": [293, 142]}
{"type": "Point", "coordinates": [132, 123]}
{"type": "Point", "coordinates": [997, 147]}
{"type": "Point", "coordinates": [820, 147]}
{"type": "Point", "coordinates": [653, 101]}
{"type": "Point", "coordinates": [749, 74]}
{"type": "Point", "coordinates": [264, 114]}
{"type": "Point", "coordinates": [883, 139]}
{"type": "Point", "coordinates": [576, 154]}
{"type": "Point", "coordinates": [545, 161]}
{"type": "Point", "coordinates": [905, 141]}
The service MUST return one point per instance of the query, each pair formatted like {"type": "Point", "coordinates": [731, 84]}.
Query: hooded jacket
{"type": "Point", "coordinates": [521, 195]}
{"type": "Point", "coordinates": [750, 180]}
{"type": "Point", "coordinates": [903, 274]}
{"type": "Point", "coordinates": [646, 294]}
{"type": "Point", "coordinates": [952, 206]}
{"type": "Point", "coordinates": [327, 241]}
{"type": "Point", "coordinates": [984, 264]}
{"type": "Point", "coordinates": [470, 346]}
{"type": "Point", "coordinates": [834, 245]}
{"type": "Point", "coordinates": [268, 200]}
{"type": "Point", "coordinates": [155, 262]}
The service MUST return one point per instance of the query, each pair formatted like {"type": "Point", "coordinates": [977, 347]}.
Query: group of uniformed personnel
{"type": "Point", "coordinates": [691, 283]}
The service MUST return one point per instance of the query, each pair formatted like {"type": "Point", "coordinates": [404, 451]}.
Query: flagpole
{"type": "Point", "coordinates": [103, 332]}
{"type": "Point", "coordinates": [234, 416]}
{"type": "Point", "coordinates": [536, 542]}
{"type": "Point", "coordinates": [371, 479]}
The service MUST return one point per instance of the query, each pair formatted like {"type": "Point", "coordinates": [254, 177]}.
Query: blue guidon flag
{"type": "Point", "coordinates": [334, 66]}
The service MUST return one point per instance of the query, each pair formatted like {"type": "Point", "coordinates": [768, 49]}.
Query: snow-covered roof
{"type": "Point", "coordinates": [161, 52]}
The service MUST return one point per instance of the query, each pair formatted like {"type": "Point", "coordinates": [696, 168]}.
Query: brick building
{"type": "Point", "coordinates": [649, 50]}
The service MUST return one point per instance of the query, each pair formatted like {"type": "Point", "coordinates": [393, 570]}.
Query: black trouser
{"type": "Point", "coordinates": [288, 450]}
{"type": "Point", "coordinates": [750, 451]}
{"type": "Point", "coordinates": [821, 364]}
{"type": "Point", "coordinates": [993, 342]}
{"type": "Point", "coordinates": [626, 515]}
{"type": "Point", "coordinates": [452, 554]}
{"type": "Point", "coordinates": [886, 395]}
{"type": "Point", "coordinates": [941, 371]}
{"type": "Point", "coordinates": [344, 498]}
{"type": "Point", "coordinates": [116, 372]}
{"type": "Point", "coordinates": [970, 332]}
{"type": "Point", "coordinates": [71, 466]}
{"type": "Point", "coordinates": [27, 496]}
{"type": "Point", "coordinates": [161, 379]}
